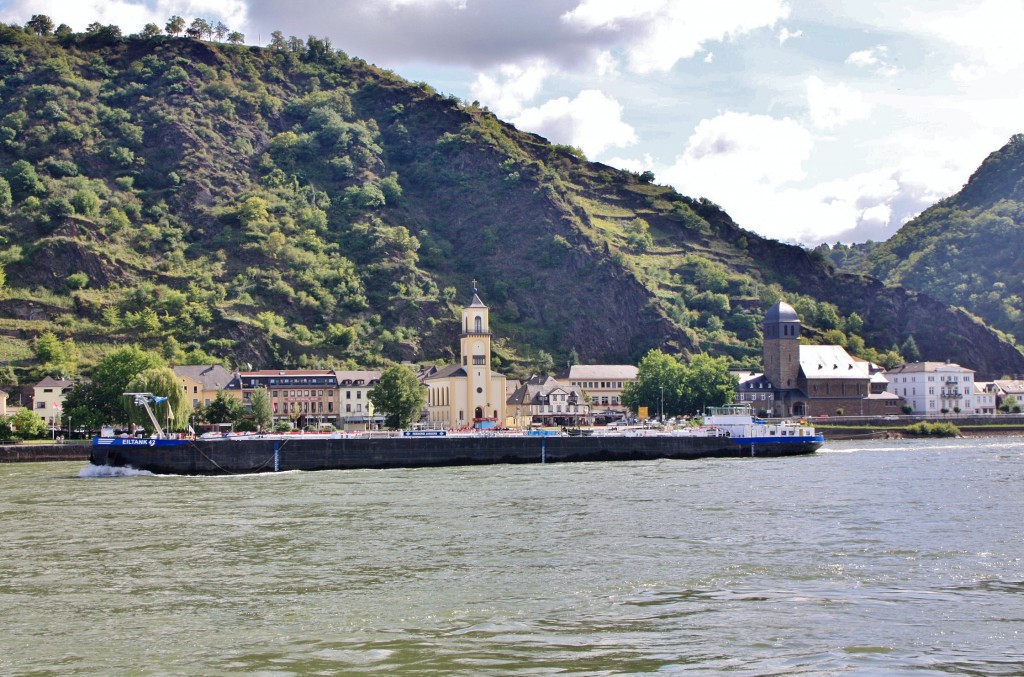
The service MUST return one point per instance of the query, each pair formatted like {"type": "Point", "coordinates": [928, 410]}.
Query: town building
{"type": "Point", "coordinates": [467, 393]}
{"type": "Point", "coordinates": [933, 388]}
{"type": "Point", "coordinates": [601, 385]}
{"type": "Point", "coordinates": [300, 397]}
{"type": "Point", "coordinates": [1005, 389]}
{"type": "Point", "coordinates": [354, 409]}
{"type": "Point", "coordinates": [202, 382]}
{"type": "Point", "coordinates": [48, 399]}
{"type": "Point", "coordinates": [544, 400]}
{"type": "Point", "coordinates": [984, 397]}
{"type": "Point", "coordinates": [812, 380]}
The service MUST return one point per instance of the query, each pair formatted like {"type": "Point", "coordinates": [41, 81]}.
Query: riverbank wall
{"type": "Point", "coordinates": [38, 453]}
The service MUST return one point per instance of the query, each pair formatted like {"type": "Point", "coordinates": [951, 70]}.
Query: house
{"type": "Point", "coordinates": [1007, 388]}
{"type": "Point", "coordinates": [812, 380]}
{"type": "Point", "coordinates": [48, 399]}
{"type": "Point", "coordinates": [467, 393]}
{"type": "Point", "coordinates": [202, 382]}
{"type": "Point", "coordinates": [933, 388]}
{"type": "Point", "coordinates": [299, 396]}
{"type": "Point", "coordinates": [547, 401]}
{"type": "Point", "coordinates": [984, 397]}
{"type": "Point", "coordinates": [354, 409]}
{"type": "Point", "coordinates": [3, 402]}
{"type": "Point", "coordinates": [602, 386]}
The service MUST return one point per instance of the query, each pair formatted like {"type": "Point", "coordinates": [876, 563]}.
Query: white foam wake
{"type": "Point", "coordinates": [111, 471]}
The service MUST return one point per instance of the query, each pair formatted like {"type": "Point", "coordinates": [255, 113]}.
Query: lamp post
{"type": "Point", "coordinates": [661, 409]}
{"type": "Point", "coordinates": [572, 402]}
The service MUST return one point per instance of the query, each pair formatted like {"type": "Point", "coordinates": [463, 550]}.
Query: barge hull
{"type": "Point", "coordinates": [232, 457]}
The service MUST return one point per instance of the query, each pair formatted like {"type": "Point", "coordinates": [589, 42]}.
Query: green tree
{"type": "Point", "coordinates": [173, 413]}
{"type": "Point", "coordinates": [112, 375]}
{"type": "Point", "coordinates": [82, 405]}
{"type": "Point", "coordinates": [5, 195]}
{"type": "Point", "coordinates": [262, 412]}
{"type": "Point", "coordinates": [278, 42]}
{"type": "Point", "coordinates": [40, 24]}
{"type": "Point", "coordinates": [659, 380]}
{"type": "Point", "coordinates": [150, 31]}
{"type": "Point", "coordinates": [175, 25]}
{"type": "Point", "coordinates": [55, 357]}
{"type": "Point", "coordinates": [706, 382]}
{"type": "Point", "coordinates": [910, 351]}
{"type": "Point", "coordinates": [198, 28]}
{"type": "Point", "coordinates": [225, 408]}
{"type": "Point", "coordinates": [86, 202]}
{"type": "Point", "coordinates": [23, 180]}
{"type": "Point", "coordinates": [236, 38]}
{"type": "Point", "coordinates": [399, 395]}
{"type": "Point", "coordinates": [26, 425]}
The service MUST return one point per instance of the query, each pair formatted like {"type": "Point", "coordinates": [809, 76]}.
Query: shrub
{"type": "Point", "coordinates": [77, 280]}
{"type": "Point", "coordinates": [938, 429]}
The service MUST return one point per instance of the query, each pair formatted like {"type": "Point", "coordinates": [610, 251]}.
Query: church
{"type": "Point", "coordinates": [467, 393]}
{"type": "Point", "coordinates": [812, 380]}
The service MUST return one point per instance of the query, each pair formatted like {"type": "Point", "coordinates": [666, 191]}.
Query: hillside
{"type": "Point", "coordinates": [294, 206]}
{"type": "Point", "coordinates": [966, 250]}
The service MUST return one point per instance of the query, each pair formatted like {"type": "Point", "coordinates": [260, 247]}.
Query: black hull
{"type": "Point", "coordinates": [226, 457]}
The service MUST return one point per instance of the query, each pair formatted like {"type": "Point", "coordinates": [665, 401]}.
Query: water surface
{"type": "Point", "coordinates": [867, 558]}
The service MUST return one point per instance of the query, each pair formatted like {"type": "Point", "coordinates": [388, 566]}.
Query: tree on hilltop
{"type": "Point", "coordinates": [40, 24]}
{"type": "Point", "coordinates": [175, 25]}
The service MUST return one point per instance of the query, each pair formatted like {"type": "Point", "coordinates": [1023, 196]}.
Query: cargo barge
{"type": "Point", "coordinates": [731, 435]}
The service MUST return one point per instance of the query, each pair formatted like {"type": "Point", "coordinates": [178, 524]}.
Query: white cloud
{"type": "Point", "coordinates": [709, 58]}
{"type": "Point", "coordinates": [517, 86]}
{"type": "Point", "coordinates": [876, 59]}
{"type": "Point", "coordinates": [592, 121]}
{"type": "Point", "coordinates": [659, 33]}
{"type": "Point", "coordinates": [988, 30]}
{"type": "Point", "coordinates": [967, 73]}
{"type": "Point", "coordinates": [833, 105]}
{"type": "Point", "coordinates": [785, 34]}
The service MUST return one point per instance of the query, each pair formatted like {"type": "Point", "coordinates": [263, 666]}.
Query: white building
{"type": "Point", "coordinates": [602, 386]}
{"type": "Point", "coordinates": [984, 398]}
{"type": "Point", "coordinates": [934, 388]}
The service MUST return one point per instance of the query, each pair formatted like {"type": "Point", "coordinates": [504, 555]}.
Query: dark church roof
{"type": "Point", "coordinates": [781, 312]}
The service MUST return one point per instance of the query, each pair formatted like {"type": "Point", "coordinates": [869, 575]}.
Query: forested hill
{"type": "Point", "coordinates": [966, 250]}
{"type": "Point", "coordinates": [294, 206]}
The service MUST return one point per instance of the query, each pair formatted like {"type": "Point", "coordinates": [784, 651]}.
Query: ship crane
{"type": "Point", "coordinates": [144, 400]}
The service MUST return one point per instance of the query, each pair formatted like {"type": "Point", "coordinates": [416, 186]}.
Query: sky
{"type": "Point", "coordinates": [808, 121]}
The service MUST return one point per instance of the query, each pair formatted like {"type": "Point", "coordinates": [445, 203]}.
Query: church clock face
{"type": "Point", "coordinates": [478, 348]}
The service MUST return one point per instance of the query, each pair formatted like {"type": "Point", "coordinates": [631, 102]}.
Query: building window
{"type": "Point", "coordinates": [478, 324]}
{"type": "Point", "coordinates": [479, 359]}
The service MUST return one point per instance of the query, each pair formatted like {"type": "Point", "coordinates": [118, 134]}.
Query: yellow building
{"type": "Point", "coordinates": [468, 393]}
{"type": "Point", "coordinates": [202, 382]}
{"type": "Point", "coordinates": [48, 399]}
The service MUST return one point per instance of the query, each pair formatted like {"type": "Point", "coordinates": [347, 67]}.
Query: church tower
{"type": "Point", "coordinates": [475, 348]}
{"type": "Point", "coordinates": [782, 346]}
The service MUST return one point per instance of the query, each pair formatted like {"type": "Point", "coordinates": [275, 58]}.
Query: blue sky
{"type": "Point", "coordinates": [807, 120]}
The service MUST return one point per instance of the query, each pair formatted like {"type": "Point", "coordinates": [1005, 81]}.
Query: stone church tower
{"type": "Point", "coordinates": [782, 346]}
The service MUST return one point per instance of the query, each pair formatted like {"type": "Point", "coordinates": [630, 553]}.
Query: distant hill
{"type": "Point", "coordinates": [967, 249]}
{"type": "Point", "coordinates": [294, 206]}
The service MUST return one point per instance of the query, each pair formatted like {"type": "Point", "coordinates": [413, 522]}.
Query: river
{"type": "Point", "coordinates": [894, 558]}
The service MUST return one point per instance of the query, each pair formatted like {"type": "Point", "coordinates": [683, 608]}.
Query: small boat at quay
{"type": "Point", "coordinates": [727, 432]}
